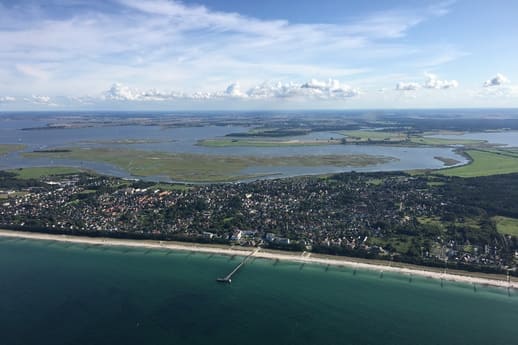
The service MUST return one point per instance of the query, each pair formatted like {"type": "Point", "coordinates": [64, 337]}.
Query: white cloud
{"type": "Point", "coordinates": [497, 80]}
{"type": "Point", "coordinates": [234, 90]}
{"type": "Point", "coordinates": [31, 71]}
{"type": "Point", "coordinates": [7, 99]}
{"type": "Point", "coordinates": [329, 89]}
{"type": "Point", "coordinates": [274, 90]}
{"type": "Point", "coordinates": [402, 86]}
{"type": "Point", "coordinates": [40, 100]}
{"type": "Point", "coordinates": [499, 87]}
{"type": "Point", "coordinates": [158, 43]}
{"type": "Point", "coordinates": [500, 92]}
{"type": "Point", "coordinates": [313, 89]}
{"type": "Point", "coordinates": [432, 82]}
{"type": "Point", "coordinates": [120, 92]}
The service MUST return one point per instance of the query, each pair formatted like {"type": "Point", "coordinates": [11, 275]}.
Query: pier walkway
{"type": "Point", "coordinates": [228, 277]}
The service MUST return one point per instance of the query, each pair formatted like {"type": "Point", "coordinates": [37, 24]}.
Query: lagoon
{"type": "Point", "coordinates": [184, 140]}
{"type": "Point", "coordinates": [503, 138]}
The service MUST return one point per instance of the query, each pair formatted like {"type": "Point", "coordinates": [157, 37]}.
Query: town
{"type": "Point", "coordinates": [422, 219]}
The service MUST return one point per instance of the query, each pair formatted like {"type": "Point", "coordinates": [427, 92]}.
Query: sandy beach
{"type": "Point", "coordinates": [306, 257]}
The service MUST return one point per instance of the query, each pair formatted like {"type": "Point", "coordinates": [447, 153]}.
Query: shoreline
{"type": "Point", "coordinates": [303, 258]}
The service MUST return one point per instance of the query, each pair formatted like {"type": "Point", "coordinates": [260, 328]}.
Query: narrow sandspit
{"type": "Point", "coordinates": [271, 255]}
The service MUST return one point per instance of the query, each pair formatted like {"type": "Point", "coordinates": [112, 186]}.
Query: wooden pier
{"type": "Point", "coordinates": [228, 278]}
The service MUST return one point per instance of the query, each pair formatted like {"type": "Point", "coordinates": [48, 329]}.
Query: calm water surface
{"type": "Point", "coordinates": [508, 138]}
{"type": "Point", "coordinates": [184, 140]}
{"type": "Point", "coordinates": [55, 293]}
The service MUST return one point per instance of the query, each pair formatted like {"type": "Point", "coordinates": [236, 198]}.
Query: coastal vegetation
{"type": "Point", "coordinates": [486, 162]}
{"type": "Point", "coordinates": [378, 137]}
{"type": "Point", "coordinates": [447, 161]}
{"type": "Point", "coordinates": [272, 132]}
{"type": "Point", "coordinates": [40, 172]}
{"type": "Point", "coordinates": [506, 225]}
{"type": "Point", "coordinates": [431, 141]}
{"type": "Point", "coordinates": [200, 168]}
{"type": "Point", "coordinates": [363, 136]}
{"type": "Point", "coordinates": [224, 142]}
{"type": "Point", "coordinates": [129, 141]}
{"type": "Point", "coordinates": [8, 148]}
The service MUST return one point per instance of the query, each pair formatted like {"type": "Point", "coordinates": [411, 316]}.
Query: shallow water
{"type": "Point", "coordinates": [183, 140]}
{"type": "Point", "coordinates": [507, 138]}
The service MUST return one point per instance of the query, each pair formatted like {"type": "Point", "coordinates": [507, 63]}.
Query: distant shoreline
{"type": "Point", "coordinates": [310, 258]}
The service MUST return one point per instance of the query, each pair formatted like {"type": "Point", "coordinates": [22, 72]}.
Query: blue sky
{"type": "Point", "coordinates": [230, 54]}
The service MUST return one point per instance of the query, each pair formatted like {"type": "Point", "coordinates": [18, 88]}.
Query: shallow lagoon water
{"type": "Point", "coordinates": [183, 140]}
{"type": "Point", "coordinates": [507, 138]}
{"type": "Point", "coordinates": [57, 293]}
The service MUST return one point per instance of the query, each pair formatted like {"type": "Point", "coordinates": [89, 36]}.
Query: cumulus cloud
{"type": "Point", "coordinates": [120, 92]}
{"type": "Point", "coordinates": [234, 90]}
{"type": "Point", "coordinates": [328, 89]}
{"type": "Point", "coordinates": [402, 86]}
{"type": "Point", "coordinates": [497, 80]}
{"type": "Point", "coordinates": [500, 92]}
{"type": "Point", "coordinates": [40, 100]}
{"type": "Point", "coordinates": [432, 82]}
{"type": "Point", "coordinates": [7, 99]}
{"type": "Point", "coordinates": [313, 89]}
{"type": "Point", "coordinates": [274, 90]}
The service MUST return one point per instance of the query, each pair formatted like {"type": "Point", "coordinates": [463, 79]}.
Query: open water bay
{"type": "Point", "coordinates": [57, 293]}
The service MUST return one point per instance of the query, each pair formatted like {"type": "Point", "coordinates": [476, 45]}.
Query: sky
{"type": "Point", "coordinates": [268, 54]}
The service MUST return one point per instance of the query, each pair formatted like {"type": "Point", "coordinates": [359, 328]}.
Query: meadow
{"type": "Point", "coordinates": [485, 163]}
{"type": "Point", "coordinates": [198, 167]}
{"type": "Point", "coordinates": [8, 148]}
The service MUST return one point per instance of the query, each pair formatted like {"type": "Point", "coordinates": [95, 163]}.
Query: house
{"type": "Point", "coordinates": [236, 236]}
{"type": "Point", "coordinates": [207, 234]}
{"type": "Point", "coordinates": [270, 237]}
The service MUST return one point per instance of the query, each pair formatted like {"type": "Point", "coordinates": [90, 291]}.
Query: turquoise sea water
{"type": "Point", "coordinates": [55, 293]}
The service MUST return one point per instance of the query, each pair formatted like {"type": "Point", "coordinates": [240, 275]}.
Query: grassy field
{"type": "Point", "coordinates": [431, 221]}
{"type": "Point", "coordinates": [4, 196]}
{"type": "Point", "coordinates": [400, 243]}
{"type": "Point", "coordinates": [125, 141]}
{"type": "Point", "coordinates": [39, 172]}
{"type": "Point", "coordinates": [262, 143]}
{"type": "Point", "coordinates": [362, 136]}
{"type": "Point", "coordinates": [8, 148]}
{"type": "Point", "coordinates": [354, 137]}
{"type": "Point", "coordinates": [200, 168]}
{"type": "Point", "coordinates": [511, 152]}
{"type": "Point", "coordinates": [171, 186]}
{"type": "Point", "coordinates": [506, 226]}
{"type": "Point", "coordinates": [435, 184]}
{"type": "Point", "coordinates": [447, 161]}
{"type": "Point", "coordinates": [443, 142]}
{"type": "Point", "coordinates": [485, 163]}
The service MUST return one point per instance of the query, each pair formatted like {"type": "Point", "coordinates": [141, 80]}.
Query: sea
{"type": "Point", "coordinates": [61, 293]}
